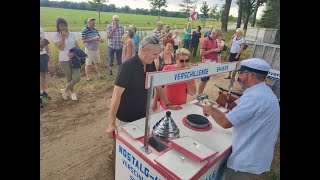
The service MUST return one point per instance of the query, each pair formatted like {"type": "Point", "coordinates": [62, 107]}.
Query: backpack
{"type": "Point", "coordinates": [79, 57]}
{"type": "Point", "coordinates": [245, 46]}
{"type": "Point", "coordinates": [225, 48]}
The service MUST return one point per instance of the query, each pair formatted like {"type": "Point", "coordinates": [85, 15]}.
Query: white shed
{"type": "Point", "coordinates": [262, 35]}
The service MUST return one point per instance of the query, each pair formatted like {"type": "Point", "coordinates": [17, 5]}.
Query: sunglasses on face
{"type": "Point", "coordinates": [154, 41]}
{"type": "Point", "coordinates": [184, 60]}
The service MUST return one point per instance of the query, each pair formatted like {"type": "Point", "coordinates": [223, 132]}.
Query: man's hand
{"type": "Point", "coordinates": [207, 110]}
{"type": "Point", "coordinates": [101, 40]}
{"type": "Point", "coordinates": [111, 130]}
{"type": "Point", "coordinates": [63, 34]}
{"type": "Point", "coordinates": [174, 107]}
{"type": "Point", "coordinates": [70, 55]}
{"type": "Point", "coordinates": [154, 105]}
{"type": "Point", "coordinates": [114, 28]}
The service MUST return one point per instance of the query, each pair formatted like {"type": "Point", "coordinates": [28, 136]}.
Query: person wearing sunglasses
{"type": "Point", "coordinates": [255, 120]}
{"type": "Point", "coordinates": [129, 98]}
{"type": "Point", "coordinates": [177, 93]}
{"type": "Point", "coordinates": [209, 51]}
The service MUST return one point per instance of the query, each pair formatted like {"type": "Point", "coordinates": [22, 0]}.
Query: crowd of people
{"type": "Point", "coordinates": [124, 43]}
{"type": "Point", "coordinates": [160, 51]}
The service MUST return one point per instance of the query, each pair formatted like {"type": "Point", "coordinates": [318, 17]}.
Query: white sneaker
{"type": "Point", "coordinates": [64, 94]}
{"type": "Point", "coordinates": [74, 96]}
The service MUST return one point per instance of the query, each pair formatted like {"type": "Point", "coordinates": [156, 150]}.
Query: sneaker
{"type": "Point", "coordinates": [64, 94]}
{"type": "Point", "coordinates": [45, 95]}
{"type": "Point", "coordinates": [110, 73]}
{"type": "Point", "coordinates": [74, 96]}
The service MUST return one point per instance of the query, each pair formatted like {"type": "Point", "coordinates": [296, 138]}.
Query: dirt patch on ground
{"type": "Point", "coordinates": [73, 143]}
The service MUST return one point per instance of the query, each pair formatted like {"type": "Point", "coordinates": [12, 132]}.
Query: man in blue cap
{"type": "Point", "coordinates": [255, 121]}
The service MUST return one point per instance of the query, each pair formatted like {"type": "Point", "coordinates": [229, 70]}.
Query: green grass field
{"type": "Point", "coordinates": [56, 74]}
{"type": "Point", "coordinates": [77, 19]}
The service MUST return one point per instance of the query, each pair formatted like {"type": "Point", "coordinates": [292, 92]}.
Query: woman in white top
{"type": "Point", "coordinates": [220, 42]}
{"type": "Point", "coordinates": [65, 40]}
{"type": "Point", "coordinates": [236, 47]}
{"type": "Point", "coordinates": [177, 40]}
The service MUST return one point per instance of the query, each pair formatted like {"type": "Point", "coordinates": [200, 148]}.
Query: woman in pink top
{"type": "Point", "coordinates": [128, 45]}
{"type": "Point", "coordinates": [177, 93]}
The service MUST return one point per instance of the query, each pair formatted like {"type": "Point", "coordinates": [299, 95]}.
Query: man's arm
{"type": "Point", "coordinates": [110, 30]}
{"type": "Point", "coordinates": [88, 40]}
{"type": "Point", "coordinates": [204, 52]}
{"type": "Point", "coordinates": [114, 106]}
{"type": "Point", "coordinates": [85, 39]}
{"type": "Point", "coordinates": [203, 49]}
{"type": "Point", "coordinates": [218, 116]}
{"type": "Point", "coordinates": [47, 49]}
{"type": "Point", "coordinates": [240, 50]}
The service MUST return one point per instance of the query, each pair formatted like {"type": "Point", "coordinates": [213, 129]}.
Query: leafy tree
{"type": "Point", "coordinates": [164, 12]}
{"type": "Point", "coordinates": [112, 8]}
{"type": "Point", "coordinates": [271, 17]}
{"type": "Point", "coordinates": [127, 9]}
{"type": "Point", "coordinates": [248, 8]}
{"type": "Point", "coordinates": [215, 13]}
{"type": "Point", "coordinates": [259, 3]}
{"type": "Point", "coordinates": [157, 4]}
{"type": "Point", "coordinates": [97, 4]}
{"type": "Point", "coordinates": [225, 15]}
{"type": "Point", "coordinates": [205, 9]}
{"type": "Point", "coordinates": [240, 4]}
{"type": "Point", "coordinates": [186, 6]}
{"type": "Point", "coordinates": [231, 18]}
{"type": "Point", "coordinates": [153, 12]}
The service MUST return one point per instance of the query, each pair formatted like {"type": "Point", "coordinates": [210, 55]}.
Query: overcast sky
{"type": "Point", "coordinates": [172, 5]}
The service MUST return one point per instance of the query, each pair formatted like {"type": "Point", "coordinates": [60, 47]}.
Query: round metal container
{"type": "Point", "coordinates": [197, 121]}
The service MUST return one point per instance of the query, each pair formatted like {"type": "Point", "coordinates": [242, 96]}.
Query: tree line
{"type": "Point", "coordinates": [156, 10]}
{"type": "Point", "coordinates": [110, 8]}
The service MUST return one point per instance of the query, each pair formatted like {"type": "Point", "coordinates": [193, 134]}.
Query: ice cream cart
{"type": "Point", "coordinates": [185, 151]}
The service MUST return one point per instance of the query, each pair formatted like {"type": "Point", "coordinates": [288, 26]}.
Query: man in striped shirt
{"type": "Point", "coordinates": [157, 33]}
{"type": "Point", "coordinates": [114, 33]}
{"type": "Point", "coordinates": [91, 39]}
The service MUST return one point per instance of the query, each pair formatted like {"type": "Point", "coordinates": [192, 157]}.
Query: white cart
{"type": "Point", "coordinates": [196, 154]}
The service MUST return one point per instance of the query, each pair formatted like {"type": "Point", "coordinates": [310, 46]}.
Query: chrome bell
{"type": "Point", "coordinates": [166, 129]}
